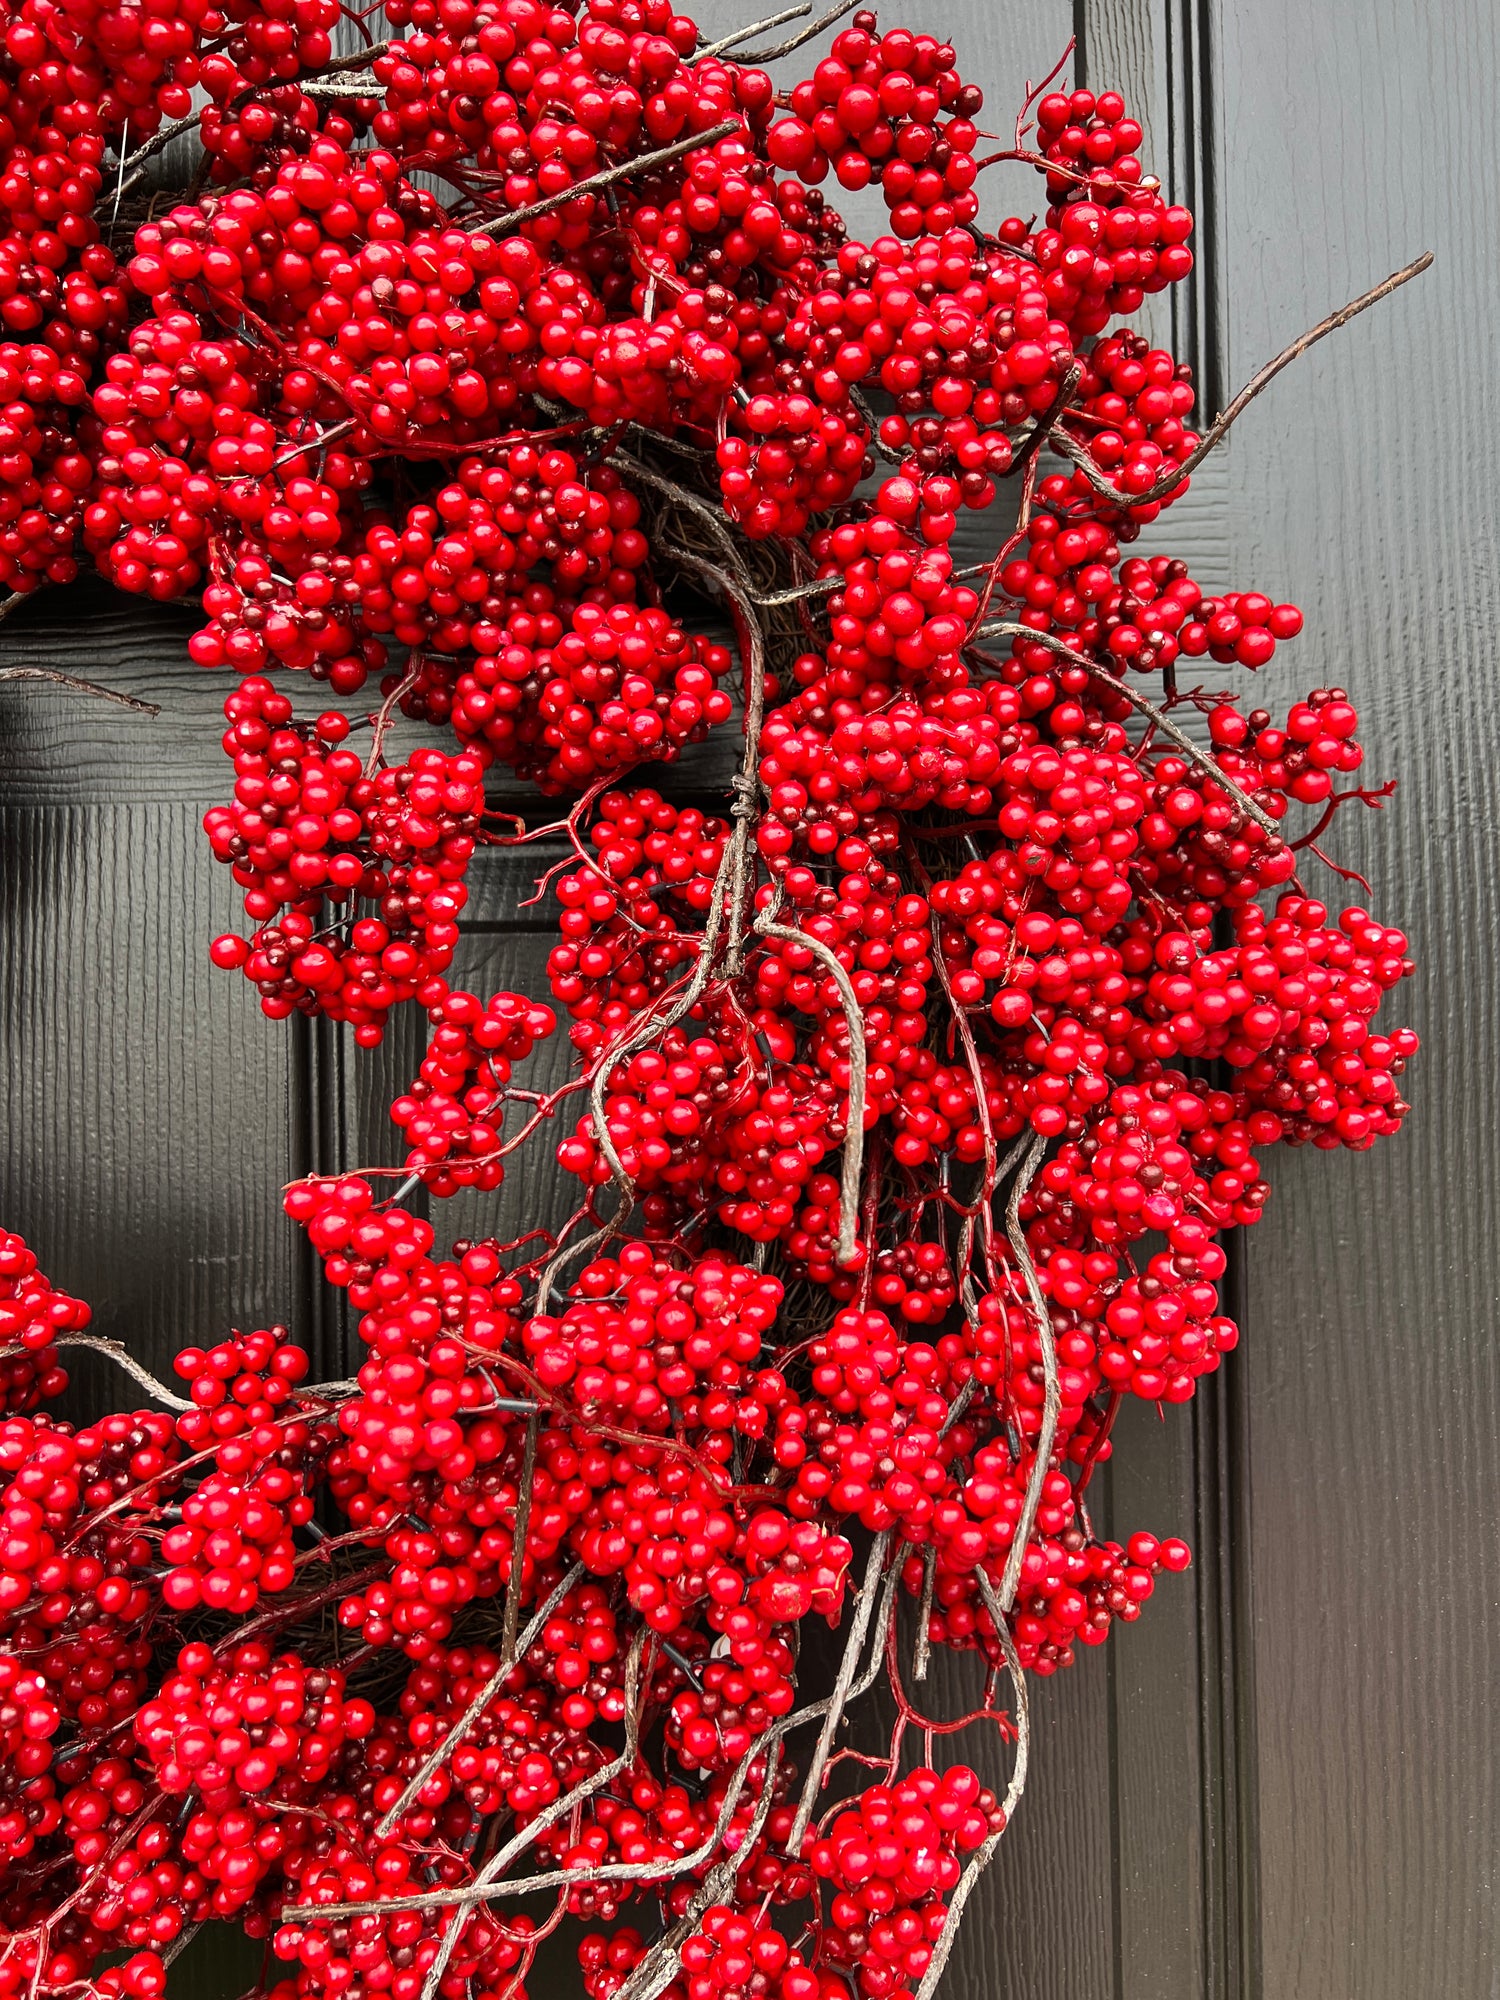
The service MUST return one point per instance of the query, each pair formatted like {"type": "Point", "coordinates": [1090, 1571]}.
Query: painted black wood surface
{"type": "Point", "coordinates": [1282, 1782]}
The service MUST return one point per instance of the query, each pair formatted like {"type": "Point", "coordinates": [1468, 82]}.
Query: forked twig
{"type": "Point", "coordinates": [488, 1885]}
{"type": "Point", "coordinates": [807, 34]}
{"type": "Point", "coordinates": [753, 28]}
{"type": "Point", "coordinates": [497, 1864]}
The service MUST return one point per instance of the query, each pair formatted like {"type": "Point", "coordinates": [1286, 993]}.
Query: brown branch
{"type": "Point", "coordinates": [820, 586]}
{"type": "Point", "coordinates": [663, 1962]}
{"type": "Point", "coordinates": [711, 517]}
{"type": "Point", "coordinates": [753, 28]}
{"type": "Point", "coordinates": [550, 1814]}
{"type": "Point", "coordinates": [807, 34]}
{"type": "Point", "coordinates": [516, 1582]}
{"type": "Point", "coordinates": [858, 1627]}
{"type": "Point", "coordinates": [647, 1028]}
{"type": "Point", "coordinates": [922, 1651]}
{"type": "Point", "coordinates": [1012, 629]}
{"type": "Point", "coordinates": [877, 443]}
{"type": "Point", "coordinates": [313, 444]}
{"type": "Point", "coordinates": [1168, 482]}
{"type": "Point", "coordinates": [734, 863]}
{"type": "Point", "coordinates": [824, 586]}
{"type": "Point", "coordinates": [746, 787]}
{"type": "Point", "coordinates": [381, 721]}
{"type": "Point", "coordinates": [984, 1854]}
{"type": "Point", "coordinates": [981, 1099]}
{"type": "Point", "coordinates": [567, 1251]}
{"type": "Point", "coordinates": [854, 1135]}
{"type": "Point", "coordinates": [609, 175]}
{"type": "Point", "coordinates": [1052, 1394]}
{"type": "Point", "coordinates": [486, 1888]}
{"type": "Point", "coordinates": [113, 1351]}
{"type": "Point", "coordinates": [1037, 436]}
{"type": "Point", "coordinates": [480, 1703]}
{"type": "Point", "coordinates": [134, 164]}
{"type": "Point", "coordinates": [358, 59]}
{"type": "Point", "coordinates": [71, 681]}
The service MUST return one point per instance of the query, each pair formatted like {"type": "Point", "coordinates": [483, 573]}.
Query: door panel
{"type": "Point", "coordinates": [1278, 1783]}
{"type": "Point", "coordinates": [1363, 487]}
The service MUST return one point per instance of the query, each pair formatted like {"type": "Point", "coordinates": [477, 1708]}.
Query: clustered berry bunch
{"type": "Point", "coordinates": [470, 362]}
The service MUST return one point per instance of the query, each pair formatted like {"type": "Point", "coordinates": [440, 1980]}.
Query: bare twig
{"type": "Point", "coordinates": [859, 1625]}
{"type": "Point", "coordinates": [313, 444]}
{"type": "Point", "coordinates": [487, 1887]}
{"type": "Point", "coordinates": [807, 34]}
{"type": "Point", "coordinates": [133, 164]}
{"type": "Point", "coordinates": [964, 1026]}
{"type": "Point", "coordinates": [476, 1708]}
{"type": "Point", "coordinates": [824, 586]}
{"type": "Point", "coordinates": [113, 1351]}
{"type": "Point", "coordinates": [607, 176]}
{"type": "Point", "coordinates": [71, 681]}
{"type": "Point", "coordinates": [499, 1862]}
{"type": "Point", "coordinates": [1169, 481]}
{"type": "Point", "coordinates": [381, 721]}
{"type": "Point", "coordinates": [180, 1943]}
{"type": "Point", "coordinates": [820, 586]}
{"type": "Point", "coordinates": [877, 443]}
{"type": "Point", "coordinates": [854, 1134]}
{"type": "Point", "coordinates": [1051, 1393]}
{"type": "Point", "coordinates": [357, 59]}
{"type": "Point", "coordinates": [663, 1962]}
{"type": "Point", "coordinates": [1011, 629]}
{"type": "Point", "coordinates": [647, 1028]}
{"type": "Point", "coordinates": [1037, 437]}
{"type": "Point", "coordinates": [747, 783]}
{"type": "Point", "coordinates": [354, 86]}
{"type": "Point", "coordinates": [734, 864]}
{"type": "Point", "coordinates": [565, 1253]}
{"type": "Point", "coordinates": [516, 1582]}
{"type": "Point", "coordinates": [980, 1859]}
{"type": "Point", "coordinates": [754, 28]}
{"type": "Point", "coordinates": [922, 1651]}
{"type": "Point", "coordinates": [711, 517]}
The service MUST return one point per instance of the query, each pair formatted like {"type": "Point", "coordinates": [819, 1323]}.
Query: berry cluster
{"type": "Point", "coordinates": [891, 1858]}
{"type": "Point", "coordinates": [32, 1314]}
{"type": "Point", "coordinates": [472, 375]}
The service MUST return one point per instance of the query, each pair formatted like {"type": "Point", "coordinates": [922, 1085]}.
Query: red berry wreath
{"type": "Point", "coordinates": [913, 1088]}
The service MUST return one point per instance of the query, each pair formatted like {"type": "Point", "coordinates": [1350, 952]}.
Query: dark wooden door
{"type": "Point", "coordinates": [1282, 1782]}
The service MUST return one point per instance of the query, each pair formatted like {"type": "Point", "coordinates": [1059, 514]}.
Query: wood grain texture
{"type": "Point", "coordinates": [147, 1108]}
{"type": "Point", "coordinates": [1156, 1769]}
{"type": "Point", "coordinates": [1363, 488]}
